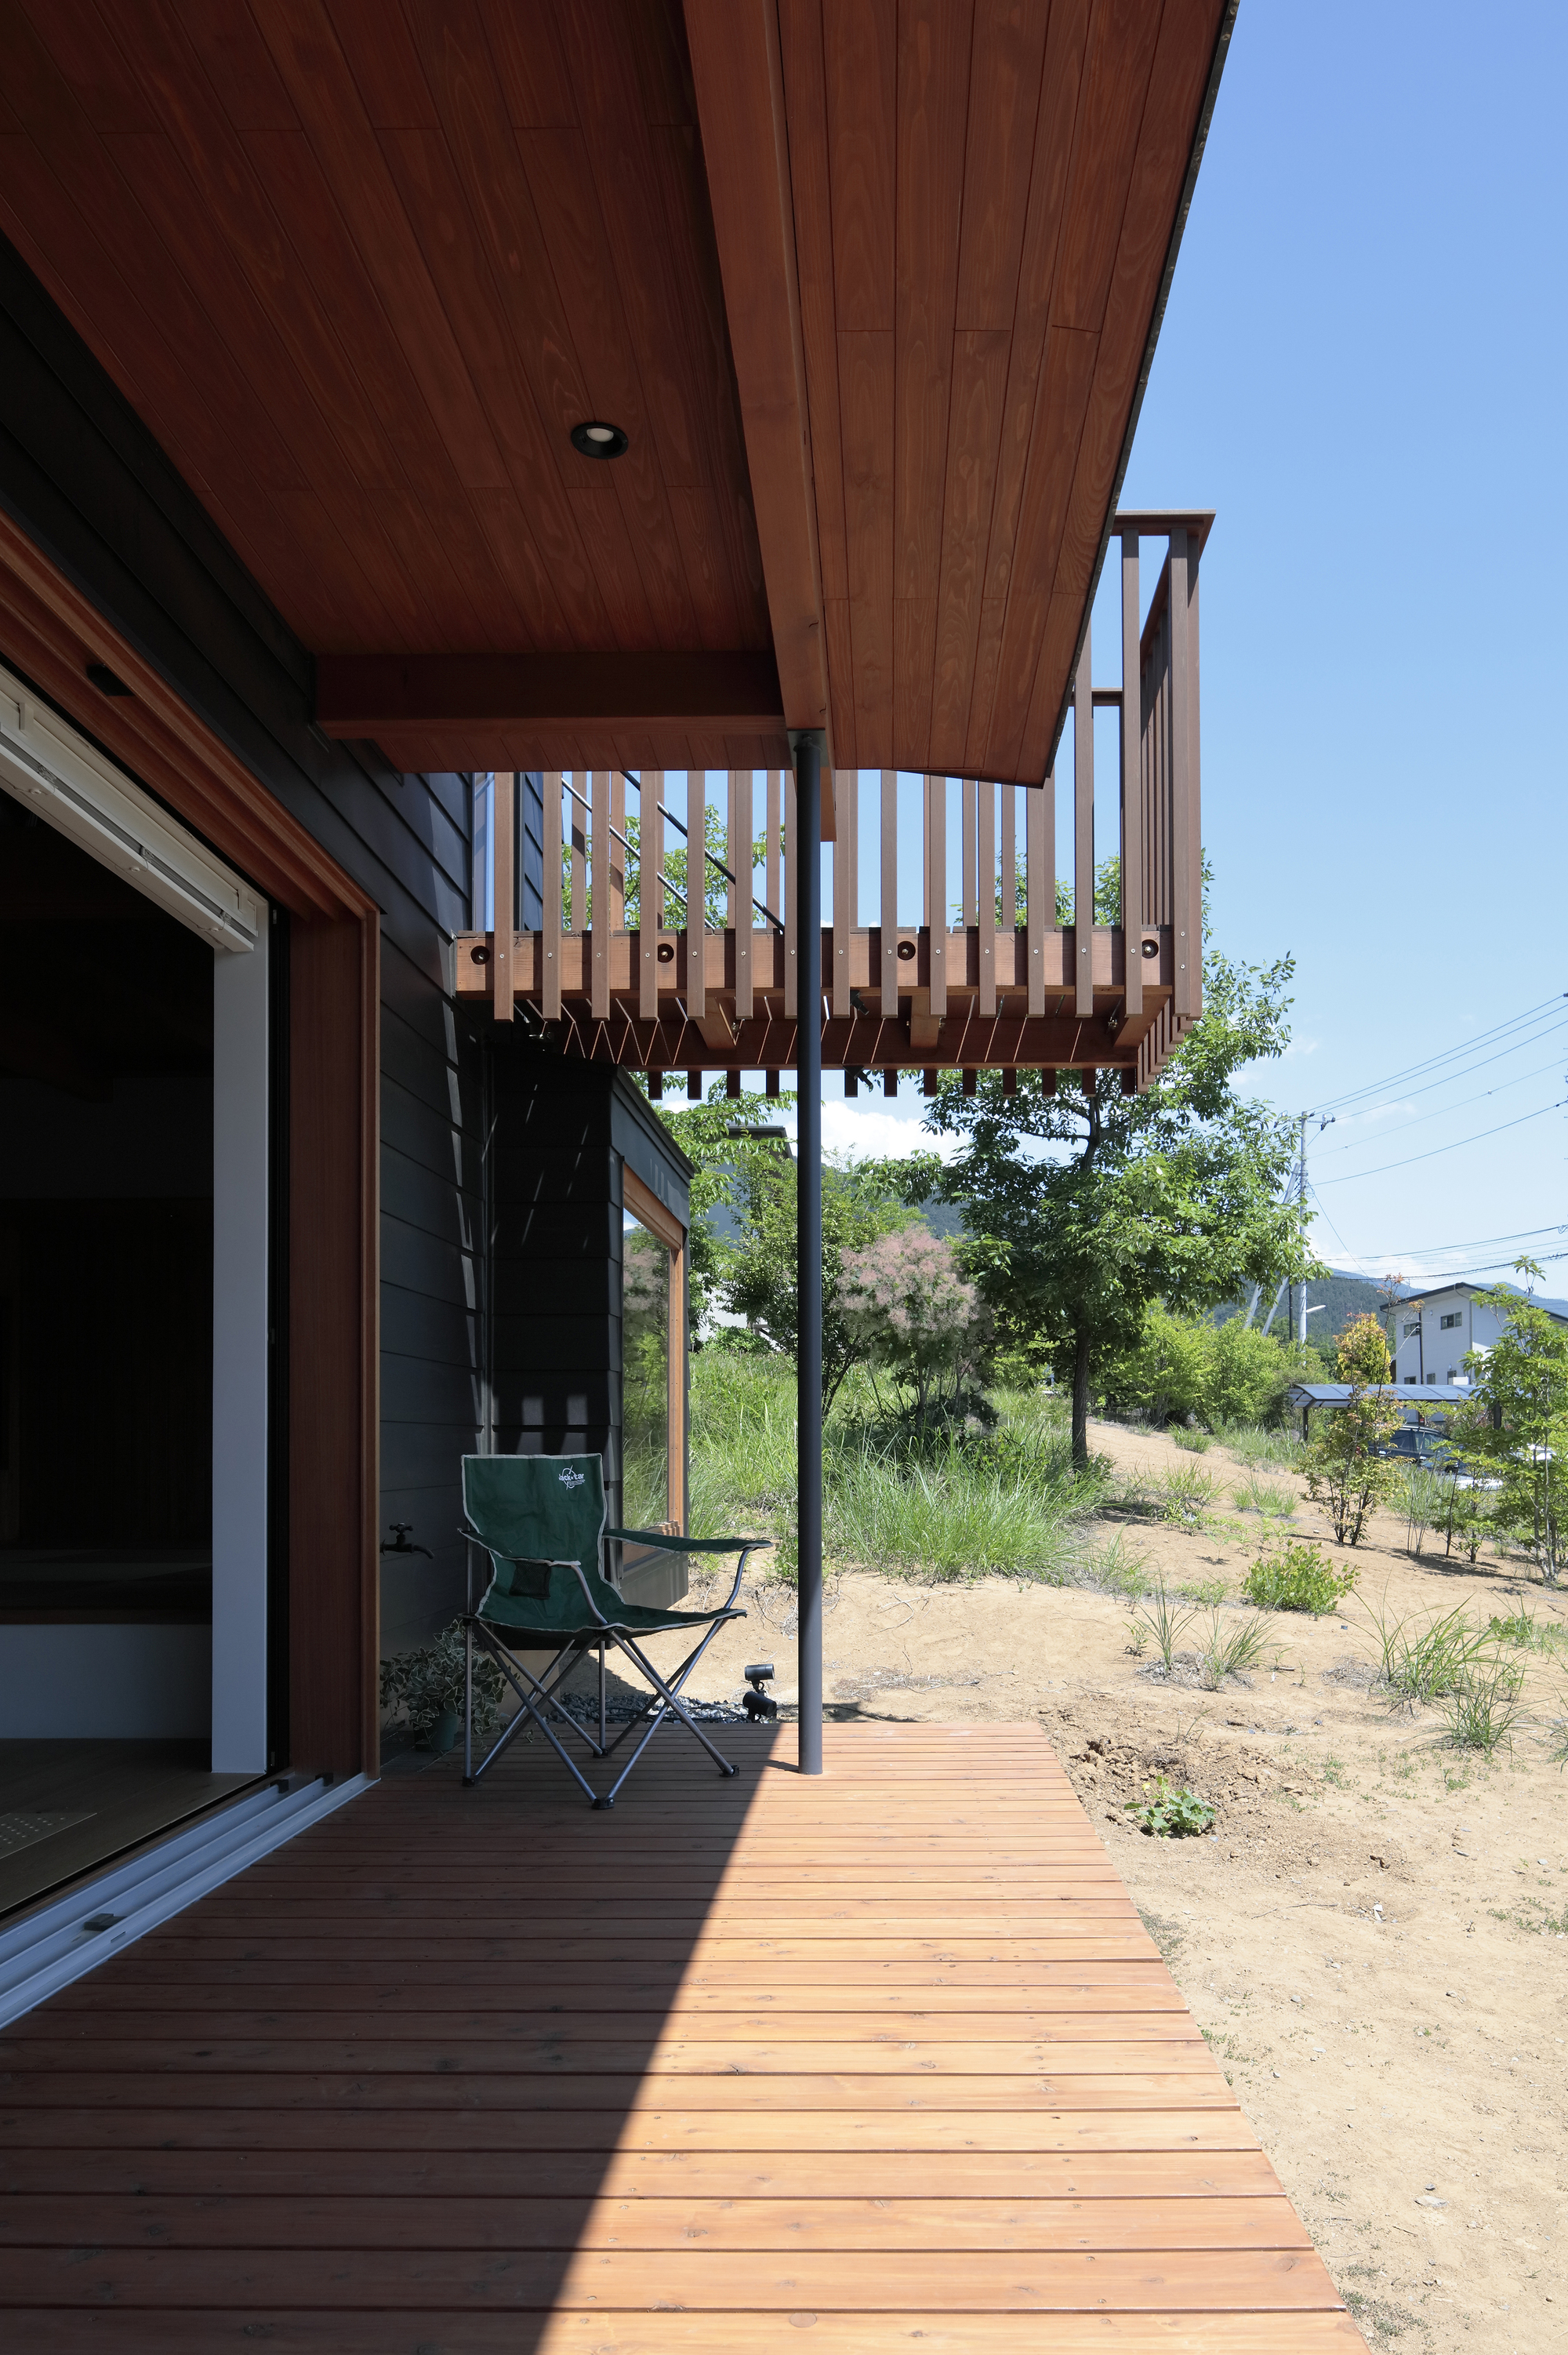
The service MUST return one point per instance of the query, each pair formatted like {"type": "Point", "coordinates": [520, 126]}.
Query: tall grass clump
{"type": "Point", "coordinates": [1231, 1652]}
{"type": "Point", "coordinates": [1486, 1705]}
{"type": "Point", "coordinates": [1260, 1448]}
{"type": "Point", "coordinates": [954, 1510]}
{"type": "Point", "coordinates": [1427, 1662]}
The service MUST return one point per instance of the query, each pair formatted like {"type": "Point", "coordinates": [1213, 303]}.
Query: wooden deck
{"type": "Point", "coordinates": [885, 2057]}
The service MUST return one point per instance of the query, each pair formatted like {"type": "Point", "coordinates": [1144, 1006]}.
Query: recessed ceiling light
{"type": "Point", "coordinates": [596, 439]}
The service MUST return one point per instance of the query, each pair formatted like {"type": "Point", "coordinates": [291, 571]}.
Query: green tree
{"type": "Point", "coordinates": [1517, 1423]}
{"type": "Point", "coordinates": [724, 1164]}
{"type": "Point", "coordinates": [1101, 1202]}
{"type": "Point", "coordinates": [1345, 1469]}
{"type": "Point", "coordinates": [860, 1202]}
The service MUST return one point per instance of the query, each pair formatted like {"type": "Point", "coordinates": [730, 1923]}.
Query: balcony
{"type": "Point", "coordinates": [952, 944]}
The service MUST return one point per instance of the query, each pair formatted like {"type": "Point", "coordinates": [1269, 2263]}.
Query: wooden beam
{"type": "Point", "coordinates": [738, 75]}
{"type": "Point", "coordinates": [377, 695]}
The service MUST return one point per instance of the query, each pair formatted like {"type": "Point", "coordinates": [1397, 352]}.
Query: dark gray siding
{"type": "Point", "coordinates": [81, 475]}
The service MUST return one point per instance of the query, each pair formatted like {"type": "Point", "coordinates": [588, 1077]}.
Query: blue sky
{"type": "Point", "coordinates": [1362, 369]}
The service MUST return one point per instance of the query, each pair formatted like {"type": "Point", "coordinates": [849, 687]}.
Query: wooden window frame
{"type": "Point", "coordinates": [640, 1202]}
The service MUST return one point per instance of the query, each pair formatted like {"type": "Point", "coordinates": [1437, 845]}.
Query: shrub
{"type": "Point", "coordinates": [1165, 1814]}
{"type": "Point", "coordinates": [1298, 1578]}
{"type": "Point", "coordinates": [419, 1687]}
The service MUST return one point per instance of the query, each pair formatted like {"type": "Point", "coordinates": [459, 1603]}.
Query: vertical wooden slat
{"type": "Point", "coordinates": [791, 890]}
{"type": "Point", "coordinates": [770, 829]}
{"type": "Point", "coordinates": [1084, 835]}
{"type": "Point", "coordinates": [1010, 859]}
{"type": "Point", "coordinates": [844, 885]}
{"type": "Point", "coordinates": [889, 898]}
{"type": "Point", "coordinates": [550, 938]}
{"type": "Point", "coordinates": [503, 969]}
{"type": "Point", "coordinates": [967, 837]}
{"type": "Point", "coordinates": [650, 892]}
{"type": "Point", "coordinates": [696, 892]}
{"type": "Point", "coordinates": [937, 891]}
{"type": "Point", "coordinates": [1131, 760]}
{"type": "Point", "coordinates": [575, 815]}
{"type": "Point", "coordinates": [618, 878]}
{"type": "Point", "coordinates": [1184, 926]}
{"type": "Point", "coordinates": [599, 848]}
{"type": "Point", "coordinates": [1039, 885]}
{"type": "Point", "coordinates": [741, 836]}
{"type": "Point", "coordinates": [985, 888]}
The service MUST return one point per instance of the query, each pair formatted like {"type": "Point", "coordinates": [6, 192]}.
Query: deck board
{"type": "Point", "coordinates": [880, 2055]}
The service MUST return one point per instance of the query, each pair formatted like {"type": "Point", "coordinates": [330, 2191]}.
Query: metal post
{"type": "Point", "coordinates": [806, 857]}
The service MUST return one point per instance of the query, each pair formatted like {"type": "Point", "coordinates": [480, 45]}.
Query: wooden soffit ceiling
{"type": "Point", "coordinates": [869, 284]}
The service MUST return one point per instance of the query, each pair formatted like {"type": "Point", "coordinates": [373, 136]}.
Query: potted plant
{"type": "Point", "coordinates": [424, 1689]}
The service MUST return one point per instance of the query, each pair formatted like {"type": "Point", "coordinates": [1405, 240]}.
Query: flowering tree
{"type": "Point", "coordinates": [906, 1301]}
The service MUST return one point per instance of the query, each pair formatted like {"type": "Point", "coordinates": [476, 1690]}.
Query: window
{"type": "Point", "coordinates": [1449, 1322]}
{"type": "Point", "coordinates": [1412, 1326]}
{"type": "Point", "coordinates": [653, 1363]}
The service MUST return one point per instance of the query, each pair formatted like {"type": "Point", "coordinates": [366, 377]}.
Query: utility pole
{"type": "Point", "coordinates": [1301, 1196]}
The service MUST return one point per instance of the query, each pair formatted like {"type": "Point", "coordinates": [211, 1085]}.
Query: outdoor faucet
{"type": "Point", "coordinates": [399, 1542]}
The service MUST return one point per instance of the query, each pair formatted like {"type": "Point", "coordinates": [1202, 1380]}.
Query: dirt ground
{"type": "Point", "coordinates": [1376, 1938]}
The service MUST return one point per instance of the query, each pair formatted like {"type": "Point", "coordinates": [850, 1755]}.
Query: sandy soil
{"type": "Point", "coordinates": [1375, 1940]}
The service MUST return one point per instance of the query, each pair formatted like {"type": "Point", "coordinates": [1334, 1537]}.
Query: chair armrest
{"type": "Point", "coordinates": [747, 1546]}
{"type": "Point", "coordinates": [691, 1545]}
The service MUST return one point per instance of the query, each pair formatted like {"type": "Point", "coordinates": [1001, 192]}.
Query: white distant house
{"type": "Point", "coordinates": [1431, 1331]}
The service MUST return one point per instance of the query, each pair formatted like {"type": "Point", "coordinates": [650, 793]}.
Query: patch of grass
{"type": "Point", "coordinates": [1196, 1443]}
{"type": "Point", "coordinates": [1333, 1771]}
{"type": "Point", "coordinates": [1166, 1623]}
{"type": "Point", "coordinates": [1208, 1592]}
{"type": "Point", "coordinates": [1485, 1706]}
{"type": "Point", "coordinates": [1298, 1578]}
{"type": "Point", "coordinates": [1256, 1444]}
{"type": "Point", "coordinates": [1186, 1495]}
{"type": "Point", "coordinates": [1254, 1496]}
{"type": "Point", "coordinates": [1528, 1632]}
{"type": "Point", "coordinates": [1427, 1663]}
{"type": "Point", "coordinates": [1165, 1814]}
{"type": "Point", "coordinates": [1532, 1916]}
{"type": "Point", "coordinates": [951, 1514]}
{"type": "Point", "coordinates": [1137, 1638]}
{"type": "Point", "coordinates": [1231, 1652]}
{"type": "Point", "coordinates": [1118, 1567]}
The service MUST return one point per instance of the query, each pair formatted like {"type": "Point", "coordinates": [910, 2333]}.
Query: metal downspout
{"type": "Point", "coordinates": [807, 750]}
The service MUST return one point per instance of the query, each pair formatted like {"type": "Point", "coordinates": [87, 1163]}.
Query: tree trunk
{"type": "Point", "coordinates": [1081, 1399]}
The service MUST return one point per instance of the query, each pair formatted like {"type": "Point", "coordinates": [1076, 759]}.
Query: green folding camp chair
{"type": "Point", "coordinates": [541, 1520]}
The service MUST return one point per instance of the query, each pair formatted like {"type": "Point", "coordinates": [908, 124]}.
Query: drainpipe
{"type": "Point", "coordinates": [807, 746]}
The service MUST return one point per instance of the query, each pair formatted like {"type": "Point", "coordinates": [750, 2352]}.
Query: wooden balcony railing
{"type": "Point", "coordinates": [952, 945]}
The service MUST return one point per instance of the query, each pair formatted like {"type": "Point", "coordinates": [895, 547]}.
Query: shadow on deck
{"type": "Point", "coordinates": [885, 2057]}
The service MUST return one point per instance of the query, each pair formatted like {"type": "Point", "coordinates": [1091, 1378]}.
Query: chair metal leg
{"type": "Point", "coordinates": [535, 1696]}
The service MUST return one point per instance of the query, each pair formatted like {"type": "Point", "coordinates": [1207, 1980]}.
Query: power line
{"type": "Point", "coordinates": [1358, 1143]}
{"type": "Point", "coordinates": [1467, 1047]}
{"type": "Point", "coordinates": [1351, 1176]}
{"type": "Point", "coordinates": [1478, 1242]}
